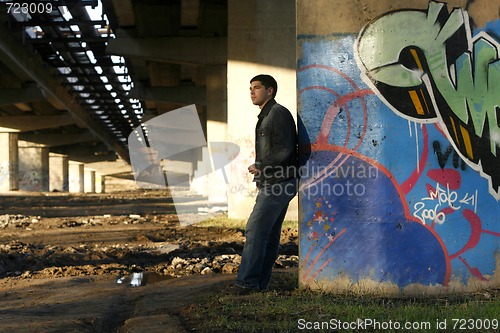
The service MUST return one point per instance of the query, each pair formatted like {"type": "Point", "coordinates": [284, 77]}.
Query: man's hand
{"type": "Point", "coordinates": [253, 169]}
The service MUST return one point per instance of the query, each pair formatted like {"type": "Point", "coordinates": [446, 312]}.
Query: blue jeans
{"type": "Point", "coordinates": [263, 233]}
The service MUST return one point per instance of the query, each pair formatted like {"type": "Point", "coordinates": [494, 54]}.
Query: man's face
{"type": "Point", "coordinates": [259, 94]}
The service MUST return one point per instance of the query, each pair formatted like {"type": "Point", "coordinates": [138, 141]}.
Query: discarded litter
{"type": "Point", "coordinates": [212, 210]}
{"type": "Point", "coordinates": [139, 279]}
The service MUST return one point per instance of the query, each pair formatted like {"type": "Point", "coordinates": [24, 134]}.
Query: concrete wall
{"type": "Point", "coordinates": [398, 105]}
{"type": "Point", "coordinates": [261, 40]}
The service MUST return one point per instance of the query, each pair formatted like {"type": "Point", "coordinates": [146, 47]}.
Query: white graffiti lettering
{"type": "Point", "coordinates": [430, 209]}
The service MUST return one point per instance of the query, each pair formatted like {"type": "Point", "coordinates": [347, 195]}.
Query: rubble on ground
{"type": "Point", "coordinates": [169, 250]}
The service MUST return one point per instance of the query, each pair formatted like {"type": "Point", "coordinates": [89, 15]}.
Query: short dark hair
{"type": "Point", "coordinates": [267, 81]}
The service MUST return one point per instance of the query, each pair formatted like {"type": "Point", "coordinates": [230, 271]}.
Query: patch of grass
{"type": "Point", "coordinates": [222, 221]}
{"type": "Point", "coordinates": [287, 309]}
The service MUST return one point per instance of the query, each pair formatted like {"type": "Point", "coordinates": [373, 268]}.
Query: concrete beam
{"type": "Point", "coordinates": [179, 50]}
{"type": "Point", "coordinates": [109, 156]}
{"type": "Point", "coordinates": [20, 95]}
{"type": "Point", "coordinates": [53, 139]}
{"type": "Point", "coordinates": [177, 95]}
{"type": "Point", "coordinates": [108, 168]}
{"type": "Point", "coordinates": [87, 153]}
{"type": "Point", "coordinates": [30, 65]}
{"type": "Point", "coordinates": [33, 123]}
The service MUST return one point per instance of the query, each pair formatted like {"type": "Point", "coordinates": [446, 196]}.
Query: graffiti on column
{"type": "Point", "coordinates": [4, 171]}
{"type": "Point", "coordinates": [389, 191]}
{"type": "Point", "coordinates": [31, 181]}
{"type": "Point", "coordinates": [433, 70]}
{"type": "Point", "coordinates": [345, 222]}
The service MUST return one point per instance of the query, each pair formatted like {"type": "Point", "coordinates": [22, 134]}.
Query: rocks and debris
{"type": "Point", "coordinates": [61, 254]}
{"type": "Point", "coordinates": [84, 259]}
{"type": "Point", "coordinates": [39, 246]}
{"type": "Point", "coordinates": [17, 221]}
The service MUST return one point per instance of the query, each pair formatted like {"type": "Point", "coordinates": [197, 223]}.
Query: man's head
{"type": "Point", "coordinates": [263, 87]}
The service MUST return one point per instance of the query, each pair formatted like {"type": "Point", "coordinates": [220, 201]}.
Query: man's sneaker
{"type": "Point", "coordinates": [235, 289]}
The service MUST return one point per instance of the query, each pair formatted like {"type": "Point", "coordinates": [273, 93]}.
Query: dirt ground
{"type": "Point", "coordinates": [68, 262]}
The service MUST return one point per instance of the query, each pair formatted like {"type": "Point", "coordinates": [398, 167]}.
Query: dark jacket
{"type": "Point", "coordinates": [275, 144]}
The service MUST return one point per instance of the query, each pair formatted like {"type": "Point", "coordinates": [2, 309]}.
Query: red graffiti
{"type": "Point", "coordinates": [446, 177]}
{"type": "Point", "coordinates": [475, 234]}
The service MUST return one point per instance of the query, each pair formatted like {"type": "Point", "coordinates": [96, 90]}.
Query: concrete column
{"type": "Point", "coordinates": [99, 183]}
{"type": "Point", "coordinates": [76, 177]}
{"type": "Point", "coordinates": [89, 181]}
{"type": "Point", "coordinates": [216, 86]}
{"type": "Point", "coordinates": [216, 128]}
{"type": "Point", "coordinates": [33, 167]}
{"type": "Point", "coordinates": [400, 193]}
{"type": "Point", "coordinates": [58, 172]}
{"type": "Point", "coordinates": [261, 40]}
{"type": "Point", "coordinates": [9, 168]}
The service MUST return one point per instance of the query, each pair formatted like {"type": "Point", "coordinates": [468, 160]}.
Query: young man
{"type": "Point", "coordinates": [274, 171]}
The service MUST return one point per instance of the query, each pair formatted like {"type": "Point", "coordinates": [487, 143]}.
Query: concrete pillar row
{"type": "Point", "coordinates": [31, 167]}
